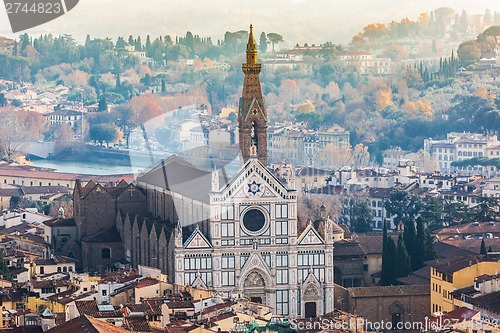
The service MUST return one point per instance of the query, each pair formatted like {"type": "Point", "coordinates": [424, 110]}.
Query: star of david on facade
{"type": "Point", "coordinates": [253, 187]}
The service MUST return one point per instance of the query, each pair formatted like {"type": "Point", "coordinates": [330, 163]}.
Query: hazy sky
{"type": "Point", "coordinates": [311, 21]}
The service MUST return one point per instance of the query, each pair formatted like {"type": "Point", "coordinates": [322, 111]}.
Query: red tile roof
{"type": "Point", "coordinates": [87, 324]}
{"type": "Point", "coordinates": [146, 282]}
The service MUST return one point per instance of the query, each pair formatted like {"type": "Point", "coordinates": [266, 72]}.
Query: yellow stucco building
{"type": "Point", "coordinates": [449, 275]}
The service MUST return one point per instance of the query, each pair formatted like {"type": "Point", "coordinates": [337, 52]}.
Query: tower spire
{"type": "Point", "coordinates": [252, 115]}
{"type": "Point", "coordinates": [251, 48]}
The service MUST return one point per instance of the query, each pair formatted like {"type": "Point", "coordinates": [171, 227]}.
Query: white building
{"type": "Point", "coordinates": [255, 248]}
{"type": "Point", "coordinates": [461, 146]}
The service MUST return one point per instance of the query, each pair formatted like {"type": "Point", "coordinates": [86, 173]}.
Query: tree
{"type": "Point", "coordinates": [468, 53]}
{"type": "Point", "coordinates": [386, 274]}
{"type": "Point", "coordinates": [232, 117]}
{"type": "Point", "coordinates": [402, 266]}
{"type": "Point", "coordinates": [483, 247]}
{"type": "Point", "coordinates": [163, 86]}
{"type": "Point", "coordinates": [263, 43]}
{"type": "Point", "coordinates": [103, 133]}
{"type": "Point", "coordinates": [486, 210]}
{"type": "Point", "coordinates": [403, 205]}
{"type": "Point", "coordinates": [274, 38]}
{"type": "Point", "coordinates": [3, 100]}
{"type": "Point", "coordinates": [360, 215]}
{"type": "Point", "coordinates": [409, 237]}
{"type": "Point", "coordinates": [417, 261]}
{"type": "Point", "coordinates": [388, 277]}
{"type": "Point", "coordinates": [103, 105]}
{"type": "Point", "coordinates": [16, 128]}
{"type": "Point", "coordinates": [430, 254]}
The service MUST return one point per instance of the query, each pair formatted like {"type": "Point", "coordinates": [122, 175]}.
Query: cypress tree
{"type": "Point", "coordinates": [402, 266]}
{"type": "Point", "coordinates": [429, 248]}
{"type": "Point", "coordinates": [103, 105]}
{"type": "Point", "coordinates": [417, 260]}
{"type": "Point", "coordinates": [483, 247]}
{"type": "Point", "coordinates": [490, 249]}
{"type": "Point", "coordinates": [391, 261]}
{"type": "Point", "coordinates": [409, 238]}
{"type": "Point", "coordinates": [386, 270]}
{"type": "Point", "coordinates": [163, 86]}
{"type": "Point", "coordinates": [263, 43]}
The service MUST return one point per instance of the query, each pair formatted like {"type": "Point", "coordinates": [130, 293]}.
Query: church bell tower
{"type": "Point", "coordinates": [252, 115]}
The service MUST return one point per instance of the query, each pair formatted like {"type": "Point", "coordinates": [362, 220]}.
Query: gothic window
{"type": "Point", "coordinates": [105, 253]}
{"type": "Point", "coordinates": [311, 258]}
{"type": "Point", "coordinates": [281, 211]}
{"type": "Point", "coordinates": [196, 262]}
{"type": "Point", "coordinates": [267, 258]}
{"type": "Point", "coordinates": [281, 260]}
{"type": "Point", "coordinates": [282, 302]}
{"type": "Point", "coordinates": [281, 228]}
{"type": "Point", "coordinates": [282, 276]}
{"type": "Point", "coordinates": [228, 279]}
{"type": "Point", "coordinates": [243, 258]}
{"type": "Point", "coordinates": [228, 261]}
{"type": "Point", "coordinates": [227, 213]}
{"type": "Point", "coordinates": [227, 229]}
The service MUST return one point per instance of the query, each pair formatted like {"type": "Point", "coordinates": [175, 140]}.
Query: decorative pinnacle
{"type": "Point", "coordinates": [251, 48]}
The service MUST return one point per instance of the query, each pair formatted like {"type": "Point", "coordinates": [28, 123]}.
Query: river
{"type": "Point", "coordinates": [88, 168]}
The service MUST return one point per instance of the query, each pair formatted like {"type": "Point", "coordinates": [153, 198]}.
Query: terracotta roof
{"type": "Point", "coordinates": [146, 282]}
{"type": "Point", "coordinates": [55, 260]}
{"type": "Point", "coordinates": [474, 245]}
{"type": "Point", "coordinates": [49, 283]}
{"type": "Point", "coordinates": [69, 296]}
{"type": "Point", "coordinates": [490, 302]}
{"type": "Point", "coordinates": [90, 308]}
{"type": "Point", "coordinates": [137, 324]}
{"type": "Point", "coordinates": [456, 316]}
{"type": "Point", "coordinates": [217, 307]}
{"type": "Point", "coordinates": [87, 324]}
{"type": "Point", "coordinates": [37, 173]}
{"type": "Point", "coordinates": [121, 276]}
{"type": "Point", "coordinates": [444, 251]}
{"type": "Point", "coordinates": [348, 248]}
{"type": "Point", "coordinates": [471, 228]}
{"type": "Point", "coordinates": [179, 304]}
{"type": "Point", "coordinates": [419, 277]}
{"type": "Point", "coordinates": [370, 242]}
{"type": "Point", "coordinates": [451, 265]}
{"type": "Point", "coordinates": [60, 222]}
{"type": "Point", "coordinates": [469, 291]}
{"type": "Point", "coordinates": [389, 291]}
{"type": "Point", "coordinates": [10, 192]}
{"type": "Point", "coordinates": [154, 305]}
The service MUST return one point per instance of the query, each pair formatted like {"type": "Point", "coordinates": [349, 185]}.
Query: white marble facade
{"type": "Point", "coordinates": [254, 247]}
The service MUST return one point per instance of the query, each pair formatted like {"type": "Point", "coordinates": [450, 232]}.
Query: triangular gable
{"type": "Point", "coordinates": [197, 241]}
{"type": "Point", "coordinates": [254, 105]}
{"type": "Point", "coordinates": [310, 236]}
{"type": "Point", "coordinates": [311, 279]}
{"type": "Point", "coordinates": [269, 182]}
{"type": "Point", "coordinates": [198, 282]}
{"type": "Point", "coordinates": [255, 261]}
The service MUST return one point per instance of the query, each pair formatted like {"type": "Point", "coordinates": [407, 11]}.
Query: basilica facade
{"type": "Point", "coordinates": [252, 245]}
